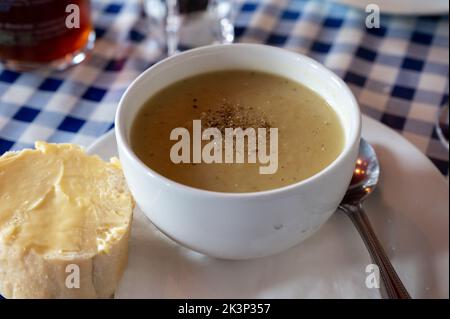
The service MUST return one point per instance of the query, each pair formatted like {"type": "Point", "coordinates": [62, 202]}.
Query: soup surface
{"type": "Point", "coordinates": [310, 135]}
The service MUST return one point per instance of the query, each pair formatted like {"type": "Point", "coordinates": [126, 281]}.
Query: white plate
{"type": "Point", "coordinates": [409, 7]}
{"type": "Point", "coordinates": [409, 213]}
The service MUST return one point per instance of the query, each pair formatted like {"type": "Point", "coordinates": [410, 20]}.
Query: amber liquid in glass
{"type": "Point", "coordinates": [35, 32]}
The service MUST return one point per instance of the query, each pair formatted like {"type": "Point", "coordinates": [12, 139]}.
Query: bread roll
{"type": "Point", "coordinates": [65, 220]}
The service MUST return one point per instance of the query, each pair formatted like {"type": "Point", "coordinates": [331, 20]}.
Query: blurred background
{"type": "Point", "coordinates": [64, 69]}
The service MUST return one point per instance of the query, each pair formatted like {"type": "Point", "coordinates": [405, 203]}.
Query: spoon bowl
{"type": "Point", "coordinates": [365, 176]}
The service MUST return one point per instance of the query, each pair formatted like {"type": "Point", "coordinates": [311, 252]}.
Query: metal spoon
{"type": "Point", "coordinates": [364, 181]}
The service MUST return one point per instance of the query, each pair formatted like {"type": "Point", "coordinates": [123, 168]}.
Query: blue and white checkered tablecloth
{"type": "Point", "coordinates": [399, 72]}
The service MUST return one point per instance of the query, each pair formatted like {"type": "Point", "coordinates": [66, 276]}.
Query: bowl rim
{"type": "Point", "coordinates": [124, 145]}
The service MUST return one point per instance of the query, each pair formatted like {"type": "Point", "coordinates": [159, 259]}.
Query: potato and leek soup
{"type": "Point", "coordinates": [307, 133]}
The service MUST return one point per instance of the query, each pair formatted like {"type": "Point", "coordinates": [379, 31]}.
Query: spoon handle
{"type": "Point", "coordinates": [393, 284]}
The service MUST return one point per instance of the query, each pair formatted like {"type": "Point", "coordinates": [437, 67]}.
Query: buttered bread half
{"type": "Point", "coordinates": [65, 220]}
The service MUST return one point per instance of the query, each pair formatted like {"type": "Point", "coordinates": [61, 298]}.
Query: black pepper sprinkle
{"type": "Point", "coordinates": [233, 116]}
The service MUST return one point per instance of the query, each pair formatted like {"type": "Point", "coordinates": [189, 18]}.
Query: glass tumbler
{"type": "Point", "coordinates": [191, 23]}
{"type": "Point", "coordinates": [36, 34]}
{"type": "Point", "coordinates": [442, 125]}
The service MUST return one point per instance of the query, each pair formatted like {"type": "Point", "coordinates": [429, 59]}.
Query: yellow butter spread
{"type": "Point", "coordinates": [57, 200]}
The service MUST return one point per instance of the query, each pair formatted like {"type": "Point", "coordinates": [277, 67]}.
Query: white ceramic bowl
{"type": "Point", "coordinates": [249, 225]}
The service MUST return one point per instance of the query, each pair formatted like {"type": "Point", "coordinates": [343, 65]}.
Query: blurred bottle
{"type": "Point", "coordinates": [191, 23]}
{"type": "Point", "coordinates": [44, 33]}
